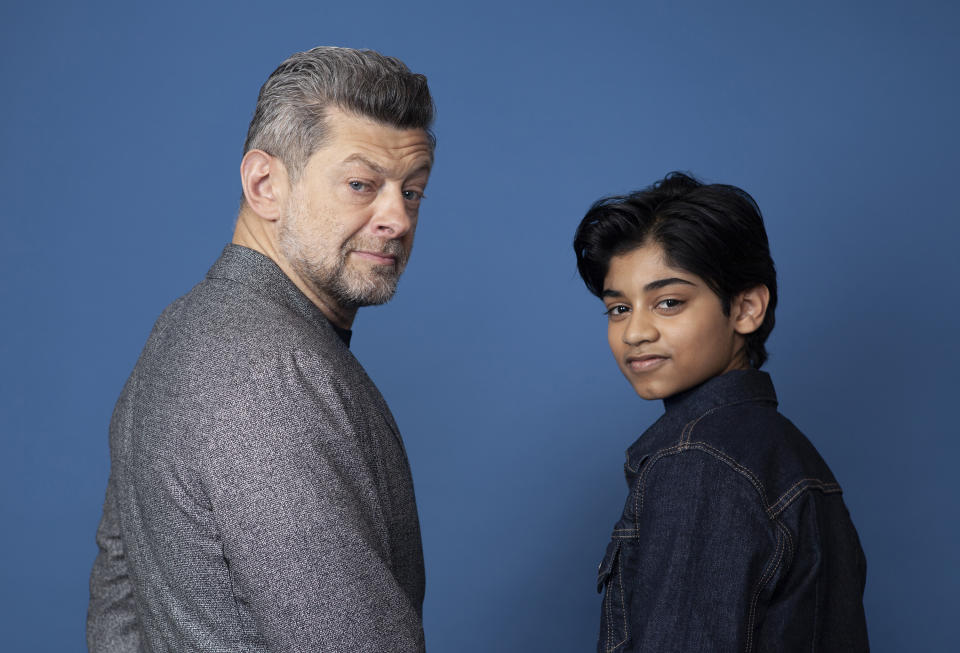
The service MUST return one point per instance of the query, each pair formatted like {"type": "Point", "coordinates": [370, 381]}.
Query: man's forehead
{"type": "Point", "coordinates": [357, 140]}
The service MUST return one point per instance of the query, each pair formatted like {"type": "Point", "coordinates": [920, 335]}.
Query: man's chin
{"type": "Point", "coordinates": [369, 295]}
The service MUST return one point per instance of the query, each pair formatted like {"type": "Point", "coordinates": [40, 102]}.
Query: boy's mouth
{"type": "Point", "coordinates": [645, 363]}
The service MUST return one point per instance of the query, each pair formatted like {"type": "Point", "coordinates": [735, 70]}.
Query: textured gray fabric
{"type": "Point", "coordinates": [259, 497]}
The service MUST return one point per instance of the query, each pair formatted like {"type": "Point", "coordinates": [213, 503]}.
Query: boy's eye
{"type": "Point", "coordinates": [617, 310]}
{"type": "Point", "coordinates": [670, 304]}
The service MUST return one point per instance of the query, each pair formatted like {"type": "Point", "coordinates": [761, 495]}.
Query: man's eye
{"type": "Point", "coordinates": [412, 195]}
{"type": "Point", "coordinates": [358, 185]}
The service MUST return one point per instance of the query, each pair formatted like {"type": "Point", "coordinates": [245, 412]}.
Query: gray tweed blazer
{"type": "Point", "coordinates": [260, 497]}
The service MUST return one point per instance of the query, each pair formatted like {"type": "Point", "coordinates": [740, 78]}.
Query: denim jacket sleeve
{"type": "Point", "coordinates": [691, 559]}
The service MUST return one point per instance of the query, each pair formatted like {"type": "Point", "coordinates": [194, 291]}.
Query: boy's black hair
{"type": "Point", "coordinates": [714, 231]}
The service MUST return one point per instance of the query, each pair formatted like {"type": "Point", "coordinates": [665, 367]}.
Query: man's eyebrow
{"type": "Point", "coordinates": [359, 158]}
{"type": "Point", "coordinates": [377, 168]}
{"type": "Point", "coordinates": [661, 283]}
{"type": "Point", "coordinates": [610, 292]}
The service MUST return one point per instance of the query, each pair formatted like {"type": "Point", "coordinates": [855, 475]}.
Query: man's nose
{"type": "Point", "coordinates": [392, 218]}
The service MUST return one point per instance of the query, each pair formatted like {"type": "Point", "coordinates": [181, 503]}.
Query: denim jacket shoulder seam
{"type": "Point", "coordinates": [681, 447]}
{"type": "Point", "coordinates": [800, 488]}
{"type": "Point", "coordinates": [774, 509]}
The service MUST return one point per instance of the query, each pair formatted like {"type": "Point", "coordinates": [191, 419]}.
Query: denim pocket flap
{"type": "Point", "coordinates": [606, 567]}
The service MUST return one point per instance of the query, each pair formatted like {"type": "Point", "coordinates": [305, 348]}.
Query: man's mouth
{"type": "Point", "coordinates": [380, 258]}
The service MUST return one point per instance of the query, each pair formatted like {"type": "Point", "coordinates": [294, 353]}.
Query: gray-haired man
{"type": "Point", "coordinates": [259, 497]}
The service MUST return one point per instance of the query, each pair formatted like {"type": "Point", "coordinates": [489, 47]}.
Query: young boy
{"type": "Point", "coordinates": [734, 536]}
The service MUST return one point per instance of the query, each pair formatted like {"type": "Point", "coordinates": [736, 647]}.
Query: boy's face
{"type": "Point", "coordinates": [666, 327]}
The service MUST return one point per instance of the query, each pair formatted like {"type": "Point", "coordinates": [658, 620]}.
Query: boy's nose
{"type": "Point", "coordinates": [639, 330]}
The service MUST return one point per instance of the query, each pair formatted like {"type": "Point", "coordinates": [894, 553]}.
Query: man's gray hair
{"type": "Point", "coordinates": [290, 119]}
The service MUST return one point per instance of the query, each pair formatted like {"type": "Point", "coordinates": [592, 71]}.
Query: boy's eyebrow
{"type": "Point", "coordinates": [660, 283]}
{"type": "Point", "coordinates": [653, 285]}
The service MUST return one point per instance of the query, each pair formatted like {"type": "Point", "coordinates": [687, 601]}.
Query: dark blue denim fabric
{"type": "Point", "coordinates": [734, 536]}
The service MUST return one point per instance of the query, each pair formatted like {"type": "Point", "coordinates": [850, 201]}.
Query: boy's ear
{"type": "Point", "coordinates": [749, 308]}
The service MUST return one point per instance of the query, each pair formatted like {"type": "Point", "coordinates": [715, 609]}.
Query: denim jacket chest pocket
{"type": "Point", "coordinates": [614, 621]}
{"type": "Point", "coordinates": [615, 618]}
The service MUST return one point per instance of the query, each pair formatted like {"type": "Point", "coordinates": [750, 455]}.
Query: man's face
{"type": "Point", "coordinates": [350, 218]}
{"type": "Point", "coordinates": [666, 327]}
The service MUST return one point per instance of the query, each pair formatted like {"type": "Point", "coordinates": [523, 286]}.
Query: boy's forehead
{"type": "Point", "coordinates": [643, 265]}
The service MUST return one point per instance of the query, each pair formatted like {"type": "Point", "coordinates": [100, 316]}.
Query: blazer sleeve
{"type": "Point", "coordinates": [112, 624]}
{"type": "Point", "coordinates": [694, 563]}
{"type": "Point", "coordinates": [303, 524]}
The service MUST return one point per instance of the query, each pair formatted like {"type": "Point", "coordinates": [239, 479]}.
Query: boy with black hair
{"type": "Point", "coordinates": [734, 536]}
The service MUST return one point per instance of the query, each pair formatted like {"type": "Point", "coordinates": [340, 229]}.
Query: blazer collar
{"type": "Point", "coordinates": [259, 272]}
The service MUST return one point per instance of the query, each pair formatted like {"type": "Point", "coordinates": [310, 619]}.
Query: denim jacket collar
{"type": "Point", "coordinates": [730, 388]}
{"type": "Point", "coordinates": [734, 387]}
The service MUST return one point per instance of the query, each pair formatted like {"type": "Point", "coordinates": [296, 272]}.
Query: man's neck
{"type": "Point", "coordinates": [252, 232]}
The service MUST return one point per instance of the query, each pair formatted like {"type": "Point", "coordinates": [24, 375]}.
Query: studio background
{"type": "Point", "coordinates": [122, 125]}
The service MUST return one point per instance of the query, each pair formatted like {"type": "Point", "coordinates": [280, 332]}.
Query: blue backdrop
{"type": "Point", "coordinates": [122, 125]}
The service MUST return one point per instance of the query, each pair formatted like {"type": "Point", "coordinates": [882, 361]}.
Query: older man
{"type": "Point", "coordinates": [260, 497]}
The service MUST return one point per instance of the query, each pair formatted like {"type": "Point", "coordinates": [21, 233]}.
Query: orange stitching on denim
{"type": "Point", "coordinates": [688, 428]}
{"type": "Point", "coordinates": [797, 489]}
{"type": "Point", "coordinates": [638, 495]}
{"type": "Point", "coordinates": [772, 565]}
{"type": "Point", "coordinates": [724, 457]}
{"type": "Point", "coordinates": [733, 464]}
{"type": "Point", "coordinates": [687, 431]}
{"type": "Point", "coordinates": [790, 550]}
{"type": "Point", "coordinates": [623, 605]}
{"type": "Point", "coordinates": [617, 569]}
{"type": "Point", "coordinates": [606, 607]}
{"type": "Point", "coordinates": [706, 448]}
{"type": "Point", "coordinates": [764, 579]}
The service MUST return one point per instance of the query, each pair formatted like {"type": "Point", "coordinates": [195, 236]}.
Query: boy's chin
{"type": "Point", "coordinates": [657, 391]}
{"type": "Point", "coordinates": [656, 396]}
{"type": "Point", "coordinates": [654, 393]}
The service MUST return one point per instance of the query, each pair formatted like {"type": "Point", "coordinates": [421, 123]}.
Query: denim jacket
{"type": "Point", "coordinates": [734, 536]}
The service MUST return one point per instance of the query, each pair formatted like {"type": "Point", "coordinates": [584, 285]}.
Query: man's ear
{"type": "Point", "coordinates": [749, 308]}
{"type": "Point", "coordinates": [265, 184]}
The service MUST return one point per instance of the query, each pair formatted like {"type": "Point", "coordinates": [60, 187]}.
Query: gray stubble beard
{"type": "Point", "coordinates": [350, 288]}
